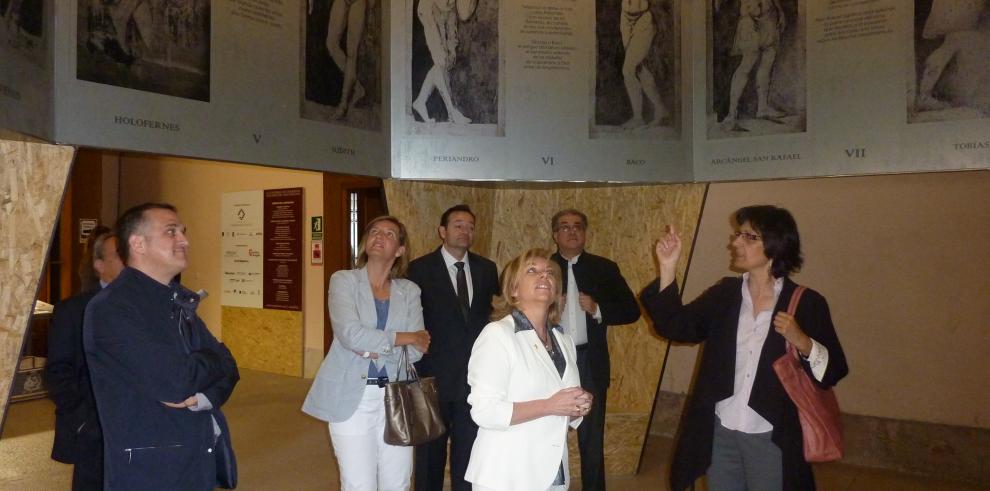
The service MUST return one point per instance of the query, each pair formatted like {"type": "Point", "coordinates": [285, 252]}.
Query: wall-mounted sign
{"type": "Point", "coordinates": [283, 222]}
{"type": "Point", "coordinates": [316, 252]}
{"type": "Point", "coordinates": [86, 226]}
{"type": "Point", "coordinates": [316, 228]}
{"type": "Point", "coordinates": [241, 243]}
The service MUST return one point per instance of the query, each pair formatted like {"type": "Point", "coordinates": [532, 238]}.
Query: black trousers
{"type": "Point", "coordinates": [591, 433]}
{"type": "Point", "coordinates": [87, 471]}
{"type": "Point", "coordinates": [431, 458]}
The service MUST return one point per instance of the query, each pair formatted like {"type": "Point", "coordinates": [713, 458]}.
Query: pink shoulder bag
{"type": "Point", "coordinates": [818, 409]}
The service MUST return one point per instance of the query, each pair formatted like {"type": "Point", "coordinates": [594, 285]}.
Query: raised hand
{"type": "Point", "coordinates": [668, 248]}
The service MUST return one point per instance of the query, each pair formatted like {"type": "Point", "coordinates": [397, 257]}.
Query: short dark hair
{"type": "Point", "coordinates": [564, 212]}
{"type": "Point", "coordinates": [93, 251]}
{"type": "Point", "coordinates": [129, 223]}
{"type": "Point", "coordinates": [461, 207]}
{"type": "Point", "coordinates": [781, 241]}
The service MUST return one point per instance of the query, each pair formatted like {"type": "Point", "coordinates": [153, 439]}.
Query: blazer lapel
{"type": "Point", "coordinates": [396, 306]}
{"type": "Point", "coordinates": [530, 343]}
{"type": "Point", "coordinates": [775, 344]}
{"type": "Point", "coordinates": [541, 352]}
{"type": "Point", "coordinates": [762, 397]}
{"type": "Point", "coordinates": [365, 299]}
{"type": "Point", "coordinates": [569, 361]}
{"type": "Point", "coordinates": [475, 278]}
{"type": "Point", "coordinates": [725, 343]}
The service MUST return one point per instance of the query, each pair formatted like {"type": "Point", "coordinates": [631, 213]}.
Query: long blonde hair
{"type": "Point", "coordinates": [510, 279]}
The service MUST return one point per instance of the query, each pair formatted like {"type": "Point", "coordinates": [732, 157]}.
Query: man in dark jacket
{"type": "Point", "coordinates": [596, 296]}
{"type": "Point", "coordinates": [159, 377]}
{"type": "Point", "coordinates": [457, 289]}
{"type": "Point", "coordinates": [78, 437]}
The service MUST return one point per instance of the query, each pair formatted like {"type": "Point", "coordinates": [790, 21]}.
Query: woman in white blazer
{"type": "Point", "coordinates": [373, 312]}
{"type": "Point", "coordinates": [525, 389]}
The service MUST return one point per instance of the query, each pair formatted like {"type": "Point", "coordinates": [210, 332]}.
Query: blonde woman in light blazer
{"type": "Point", "coordinates": [525, 389]}
{"type": "Point", "coordinates": [373, 312]}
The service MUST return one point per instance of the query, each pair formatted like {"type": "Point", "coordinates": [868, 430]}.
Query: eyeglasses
{"type": "Point", "coordinates": [748, 237]}
{"type": "Point", "coordinates": [577, 227]}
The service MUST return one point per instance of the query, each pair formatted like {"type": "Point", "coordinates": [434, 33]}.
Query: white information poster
{"type": "Point", "coordinates": [554, 90]}
{"type": "Point", "coordinates": [242, 242]}
{"type": "Point", "coordinates": [530, 90]}
{"type": "Point", "coordinates": [272, 82]}
{"type": "Point", "coordinates": [26, 66]}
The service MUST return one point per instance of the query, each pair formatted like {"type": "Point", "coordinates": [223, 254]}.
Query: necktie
{"type": "Point", "coordinates": [462, 291]}
{"type": "Point", "coordinates": [577, 323]}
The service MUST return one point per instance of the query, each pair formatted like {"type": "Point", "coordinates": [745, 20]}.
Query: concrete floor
{"type": "Point", "coordinates": [280, 448]}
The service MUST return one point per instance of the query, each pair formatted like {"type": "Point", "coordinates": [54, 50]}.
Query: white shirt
{"type": "Point", "coordinates": [452, 271]}
{"type": "Point", "coordinates": [573, 321]}
{"type": "Point", "coordinates": [734, 411]}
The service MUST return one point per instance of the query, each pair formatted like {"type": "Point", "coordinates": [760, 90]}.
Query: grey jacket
{"type": "Point", "coordinates": [340, 382]}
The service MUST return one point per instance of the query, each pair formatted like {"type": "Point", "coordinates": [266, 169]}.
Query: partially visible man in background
{"type": "Point", "coordinates": [78, 437]}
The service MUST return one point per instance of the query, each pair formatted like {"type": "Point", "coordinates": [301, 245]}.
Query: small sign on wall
{"type": "Point", "coordinates": [86, 226]}
{"type": "Point", "coordinates": [316, 252]}
{"type": "Point", "coordinates": [316, 228]}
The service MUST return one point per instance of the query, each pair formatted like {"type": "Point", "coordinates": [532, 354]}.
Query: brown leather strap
{"type": "Point", "coordinates": [791, 308]}
{"type": "Point", "coordinates": [795, 298]}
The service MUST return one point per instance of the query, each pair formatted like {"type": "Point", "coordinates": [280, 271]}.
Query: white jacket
{"type": "Point", "coordinates": [506, 367]}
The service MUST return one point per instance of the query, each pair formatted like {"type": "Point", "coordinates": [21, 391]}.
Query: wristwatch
{"type": "Point", "coordinates": [366, 354]}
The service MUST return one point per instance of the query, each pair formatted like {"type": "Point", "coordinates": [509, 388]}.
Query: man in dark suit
{"type": "Point", "coordinates": [596, 296]}
{"type": "Point", "coordinates": [457, 289]}
{"type": "Point", "coordinates": [159, 377]}
{"type": "Point", "coordinates": [78, 437]}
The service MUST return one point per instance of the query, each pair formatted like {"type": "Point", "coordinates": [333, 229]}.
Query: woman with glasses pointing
{"type": "Point", "coordinates": [740, 428]}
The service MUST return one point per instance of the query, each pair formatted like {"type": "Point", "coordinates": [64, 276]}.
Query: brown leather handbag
{"type": "Point", "coordinates": [412, 409]}
{"type": "Point", "coordinates": [818, 409]}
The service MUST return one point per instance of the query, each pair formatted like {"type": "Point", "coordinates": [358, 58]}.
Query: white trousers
{"type": "Point", "coordinates": [366, 462]}
{"type": "Point", "coordinates": [475, 487]}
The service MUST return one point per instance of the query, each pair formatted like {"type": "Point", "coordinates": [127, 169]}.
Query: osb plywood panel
{"type": "Point", "coordinates": [264, 339]}
{"type": "Point", "coordinates": [624, 221]}
{"type": "Point", "coordinates": [624, 439]}
{"type": "Point", "coordinates": [32, 180]}
{"type": "Point", "coordinates": [13, 136]}
{"type": "Point", "coordinates": [420, 204]}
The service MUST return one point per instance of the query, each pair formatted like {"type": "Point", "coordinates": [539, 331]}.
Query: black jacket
{"type": "Point", "coordinates": [601, 279]}
{"type": "Point", "coordinates": [713, 318]}
{"type": "Point", "coordinates": [452, 336]}
{"type": "Point", "coordinates": [67, 378]}
{"type": "Point", "coordinates": [144, 346]}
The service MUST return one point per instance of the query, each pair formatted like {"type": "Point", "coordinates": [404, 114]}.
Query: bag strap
{"type": "Point", "coordinates": [405, 364]}
{"type": "Point", "coordinates": [791, 309]}
{"type": "Point", "coordinates": [795, 298]}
